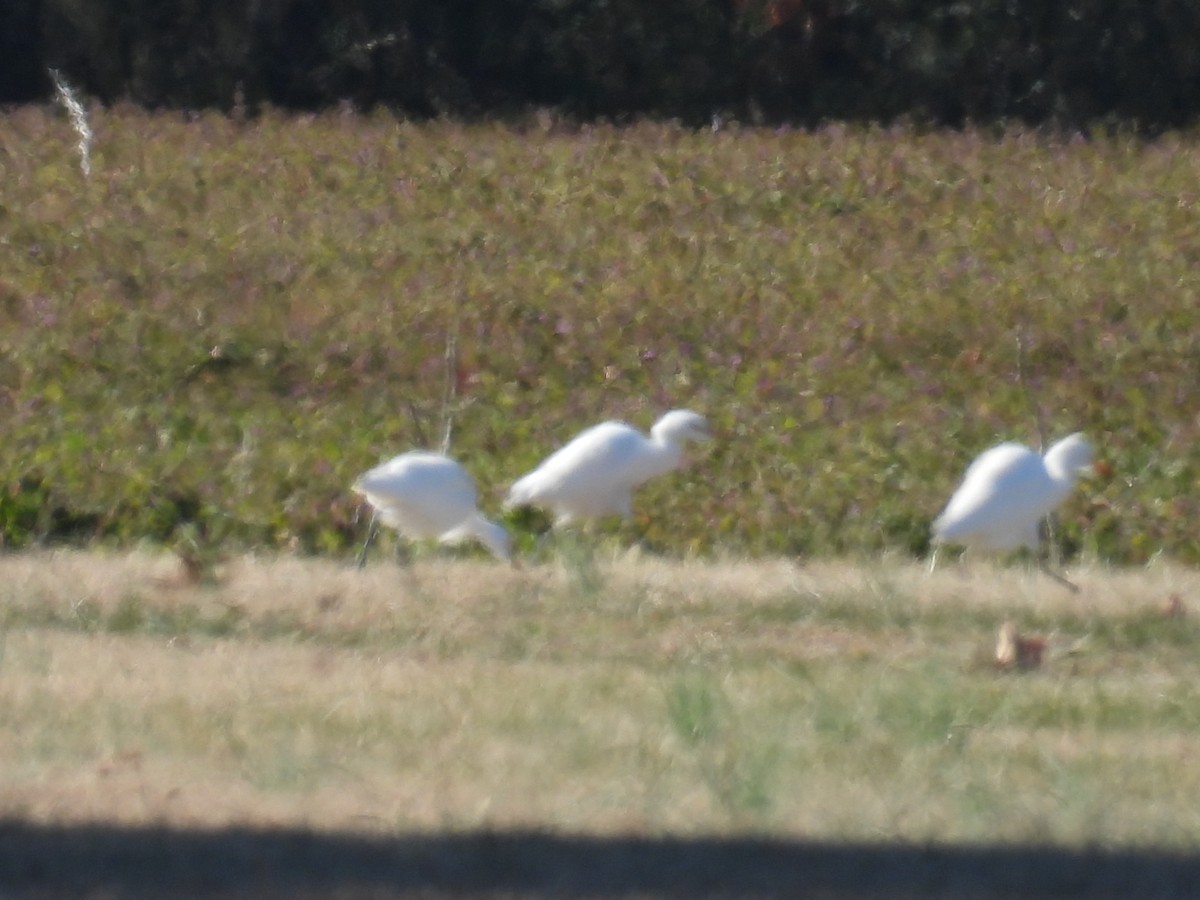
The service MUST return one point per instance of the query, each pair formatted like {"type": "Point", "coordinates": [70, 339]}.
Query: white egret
{"type": "Point", "coordinates": [594, 475]}
{"type": "Point", "coordinates": [1006, 493]}
{"type": "Point", "coordinates": [428, 495]}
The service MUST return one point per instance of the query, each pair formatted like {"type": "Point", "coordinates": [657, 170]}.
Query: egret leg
{"type": "Point", "coordinates": [372, 530]}
{"type": "Point", "coordinates": [641, 534]}
{"type": "Point", "coordinates": [933, 559]}
{"type": "Point", "coordinates": [1069, 585]}
{"type": "Point", "coordinates": [1045, 538]}
{"type": "Point", "coordinates": [544, 544]}
{"type": "Point", "coordinates": [578, 556]}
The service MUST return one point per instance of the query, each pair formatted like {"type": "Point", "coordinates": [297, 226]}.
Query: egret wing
{"type": "Point", "coordinates": [587, 472]}
{"type": "Point", "coordinates": [424, 494]}
{"type": "Point", "coordinates": [1002, 497]}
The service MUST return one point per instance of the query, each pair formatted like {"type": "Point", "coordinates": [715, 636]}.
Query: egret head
{"type": "Point", "coordinates": [1072, 455]}
{"type": "Point", "coordinates": [495, 538]}
{"type": "Point", "coordinates": [681, 425]}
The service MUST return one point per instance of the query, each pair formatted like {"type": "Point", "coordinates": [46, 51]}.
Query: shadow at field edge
{"type": "Point", "coordinates": [113, 862]}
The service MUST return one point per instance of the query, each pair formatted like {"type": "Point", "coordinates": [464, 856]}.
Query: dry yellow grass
{"type": "Point", "coordinates": [833, 699]}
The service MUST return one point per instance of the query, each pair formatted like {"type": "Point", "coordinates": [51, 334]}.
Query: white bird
{"type": "Point", "coordinates": [594, 475]}
{"type": "Point", "coordinates": [1006, 493]}
{"type": "Point", "coordinates": [428, 495]}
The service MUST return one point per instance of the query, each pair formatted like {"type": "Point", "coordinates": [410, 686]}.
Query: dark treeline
{"type": "Point", "coordinates": [1069, 62]}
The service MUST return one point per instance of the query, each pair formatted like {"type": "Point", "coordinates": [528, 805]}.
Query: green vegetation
{"type": "Point", "coordinates": [207, 340]}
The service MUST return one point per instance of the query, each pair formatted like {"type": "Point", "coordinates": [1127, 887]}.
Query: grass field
{"type": "Point", "coordinates": [609, 727]}
{"type": "Point", "coordinates": [830, 701]}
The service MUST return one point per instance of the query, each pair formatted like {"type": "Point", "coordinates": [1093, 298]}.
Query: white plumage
{"type": "Point", "coordinates": [1006, 493]}
{"type": "Point", "coordinates": [595, 474]}
{"type": "Point", "coordinates": [427, 495]}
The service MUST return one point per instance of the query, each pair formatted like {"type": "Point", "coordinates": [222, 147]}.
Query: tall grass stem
{"type": "Point", "coordinates": [70, 101]}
